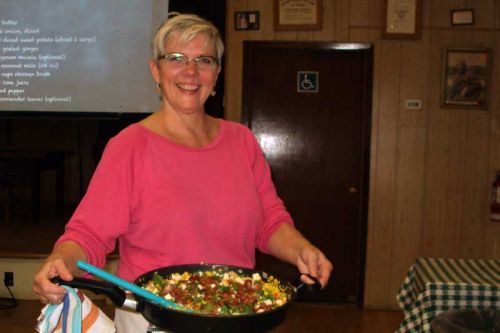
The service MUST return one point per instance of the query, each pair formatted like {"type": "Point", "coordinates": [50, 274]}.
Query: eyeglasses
{"type": "Point", "coordinates": [180, 60]}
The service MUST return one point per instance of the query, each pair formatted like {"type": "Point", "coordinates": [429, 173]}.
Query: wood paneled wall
{"type": "Point", "coordinates": [431, 169]}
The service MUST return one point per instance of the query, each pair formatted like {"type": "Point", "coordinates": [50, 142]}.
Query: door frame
{"type": "Point", "coordinates": [367, 50]}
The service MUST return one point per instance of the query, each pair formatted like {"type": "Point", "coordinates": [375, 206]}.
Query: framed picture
{"type": "Point", "coordinates": [466, 78]}
{"type": "Point", "coordinates": [462, 17]}
{"type": "Point", "coordinates": [402, 19]}
{"type": "Point", "coordinates": [298, 14]}
{"type": "Point", "coordinates": [246, 20]}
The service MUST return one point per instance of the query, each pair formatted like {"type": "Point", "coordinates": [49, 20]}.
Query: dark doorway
{"type": "Point", "coordinates": [309, 105]}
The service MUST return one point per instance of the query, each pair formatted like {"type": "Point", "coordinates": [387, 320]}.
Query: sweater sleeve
{"type": "Point", "coordinates": [274, 211]}
{"type": "Point", "coordinates": [104, 212]}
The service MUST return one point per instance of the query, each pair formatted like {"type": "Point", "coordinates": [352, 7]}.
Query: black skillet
{"type": "Point", "coordinates": [179, 321]}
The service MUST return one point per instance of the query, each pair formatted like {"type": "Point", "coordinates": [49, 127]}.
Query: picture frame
{"type": "Point", "coordinates": [298, 14]}
{"type": "Point", "coordinates": [246, 20]}
{"type": "Point", "coordinates": [402, 19]}
{"type": "Point", "coordinates": [462, 16]}
{"type": "Point", "coordinates": [466, 78]}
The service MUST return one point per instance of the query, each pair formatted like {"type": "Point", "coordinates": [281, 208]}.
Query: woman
{"type": "Point", "coordinates": [180, 186]}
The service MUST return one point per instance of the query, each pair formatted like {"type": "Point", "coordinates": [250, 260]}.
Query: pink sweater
{"type": "Point", "coordinates": [168, 204]}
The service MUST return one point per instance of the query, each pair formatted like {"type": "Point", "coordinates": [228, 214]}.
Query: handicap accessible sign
{"type": "Point", "coordinates": [307, 81]}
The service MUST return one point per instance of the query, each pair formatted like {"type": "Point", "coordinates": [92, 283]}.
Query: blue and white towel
{"type": "Point", "coordinates": [76, 314]}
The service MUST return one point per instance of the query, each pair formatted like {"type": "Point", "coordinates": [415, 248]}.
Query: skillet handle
{"type": "Point", "coordinates": [316, 286]}
{"type": "Point", "coordinates": [113, 292]}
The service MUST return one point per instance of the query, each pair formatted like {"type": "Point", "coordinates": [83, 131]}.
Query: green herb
{"type": "Point", "coordinates": [158, 280]}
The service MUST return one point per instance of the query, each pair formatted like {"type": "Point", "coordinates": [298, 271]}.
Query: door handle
{"type": "Point", "coordinates": [353, 190]}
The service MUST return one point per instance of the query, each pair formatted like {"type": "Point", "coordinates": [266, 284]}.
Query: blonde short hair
{"type": "Point", "coordinates": [186, 27]}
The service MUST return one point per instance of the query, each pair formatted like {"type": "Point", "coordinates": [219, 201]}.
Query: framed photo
{"type": "Point", "coordinates": [402, 19]}
{"type": "Point", "coordinates": [466, 78]}
{"type": "Point", "coordinates": [298, 14]}
{"type": "Point", "coordinates": [462, 17]}
{"type": "Point", "coordinates": [246, 20]}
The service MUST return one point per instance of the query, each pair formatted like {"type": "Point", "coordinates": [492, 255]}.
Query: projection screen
{"type": "Point", "coordinates": [78, 55]}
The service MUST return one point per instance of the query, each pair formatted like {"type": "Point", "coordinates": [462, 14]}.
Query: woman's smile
{"type": "Point", "coordinates": [188, 87]}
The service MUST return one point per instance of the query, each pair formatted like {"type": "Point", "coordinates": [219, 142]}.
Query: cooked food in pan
{"type": "Point", "coordinates": [220, 292]}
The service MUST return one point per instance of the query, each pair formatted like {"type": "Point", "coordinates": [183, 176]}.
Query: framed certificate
{"type": "Point", "coordinates": [298, 14]}
{"type": "Point", "coordinates": [402, 19]}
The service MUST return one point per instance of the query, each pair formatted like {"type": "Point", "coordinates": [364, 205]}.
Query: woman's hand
{"type": "Point", "coordinates": [288, 244]}
{"type": "Point", "coordinates": [62, 263]}
{"type": "Point", "coordinates": [47, 291]}
{"type": "Point", "coordinates": [313, 262]}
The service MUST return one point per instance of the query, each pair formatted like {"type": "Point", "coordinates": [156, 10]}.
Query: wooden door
{"type": "Point", "coordinates": [317, 143]}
